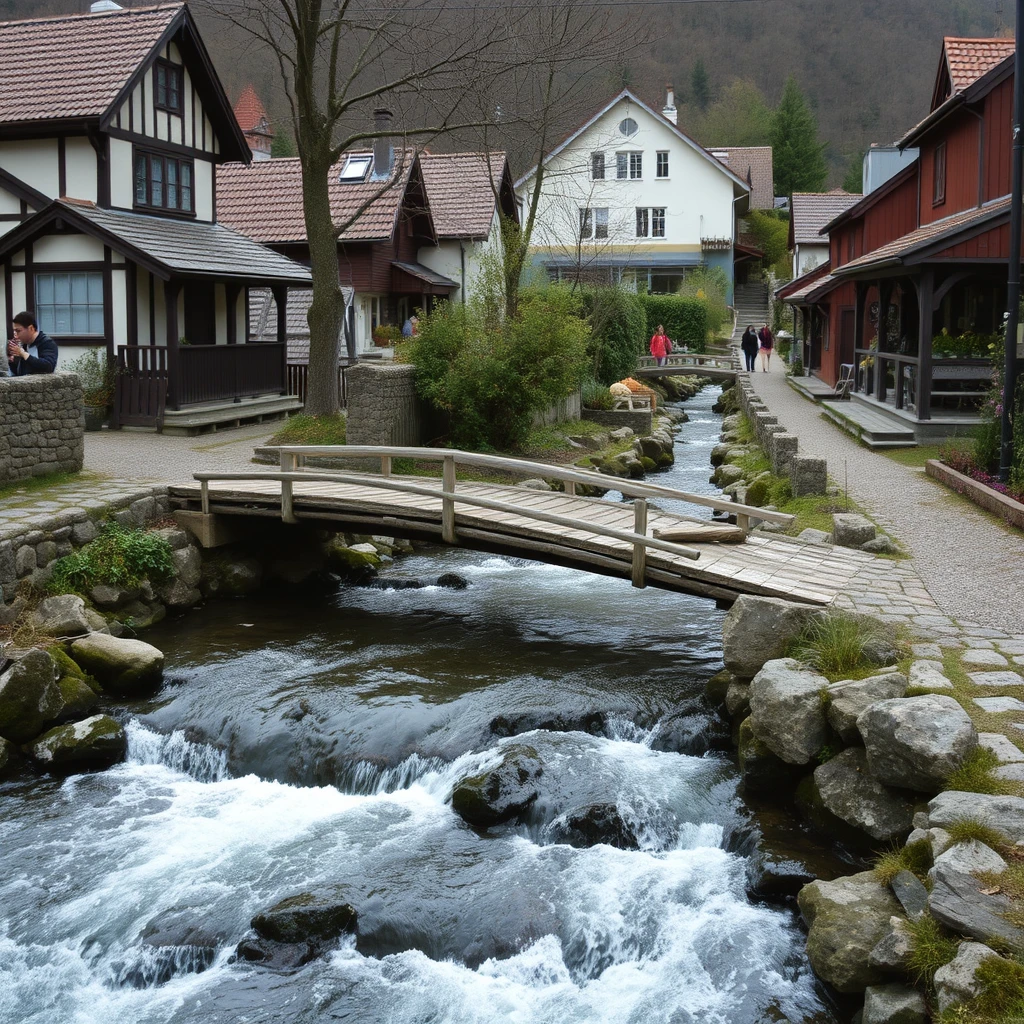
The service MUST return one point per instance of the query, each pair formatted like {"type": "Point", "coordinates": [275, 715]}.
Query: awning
{"type": "Point", "coordinates": [414, 277]}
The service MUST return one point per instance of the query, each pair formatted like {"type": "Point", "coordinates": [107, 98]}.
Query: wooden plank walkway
{"type": "Point", "coordinates": [763, 565]}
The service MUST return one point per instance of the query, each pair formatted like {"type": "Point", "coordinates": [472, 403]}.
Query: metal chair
{"type": "Point", "coordinates": [845, 383]}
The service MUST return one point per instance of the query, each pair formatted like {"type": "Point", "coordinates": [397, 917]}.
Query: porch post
{"type": "Point", "coordinates": [280, 293]}
{"type": "Point", "coordinates": [174, 384]}
{"type": "Point", "coordinates": [925, 301]}
{"type": "Point", "coordinates": [861, 292]}
{"type": "Point", "coordinates": [884, 294]}
{"type": "Point", "coordinates": [231, 293]}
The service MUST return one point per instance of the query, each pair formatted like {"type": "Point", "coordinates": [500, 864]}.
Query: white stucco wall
{"type": "Point", "coordinates": [67, 249]}
{"type": "Point", "coordinates": [122, 177]}
{"type": "Point", "coordinates": [203, 191]}
{"type": "Point", "coordinates": [35, 162]}
{"type": "Point", "coordinates": [9, 203]}
{"type": "Point", "coordinates": [807, 257]}
{"type": "Point", "coordinates": [80, 169]}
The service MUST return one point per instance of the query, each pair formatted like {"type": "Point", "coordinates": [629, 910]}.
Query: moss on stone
{"type": "Point", "coordinates": [757, 494]}
{"type": "Point", "coordinates": [649, 464]}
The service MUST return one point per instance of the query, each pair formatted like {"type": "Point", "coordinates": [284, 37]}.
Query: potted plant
{"type": "Point", "coordinates": [96, 375]}
{"type": "Point", "coordinates": [386, 335]}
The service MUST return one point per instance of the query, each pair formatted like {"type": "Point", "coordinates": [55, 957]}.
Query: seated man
{"type": "Point", "coordinates": [30, 350]}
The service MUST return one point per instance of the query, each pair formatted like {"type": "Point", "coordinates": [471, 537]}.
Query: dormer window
{"type": "Point", "coordinates": [168, 81]}
{"type": "Point", "coordinates": [355, 168]}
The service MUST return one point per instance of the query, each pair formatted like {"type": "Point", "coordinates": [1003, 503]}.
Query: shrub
{"type": "Point", "coordinates": [915, 857]}
{"type": "Point", "coordinates": [119, 557]}
{"type": "Point", "coordinates": [618, 327]}
{"type": "Point", "coordinates": [834, 643]}
{"type": "Point", "coordinates": [685, 319]}
{"type": "Point", "coordinates": [490, 373]}
{"type": "Point", "coordinates": [96, 375]}
{"type": "Point", "coordinates": [771, 229]}
{"type": "Point", "coordinates": [710, 286]}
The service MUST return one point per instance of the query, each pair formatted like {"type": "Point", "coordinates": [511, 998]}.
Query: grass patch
{"type": "Point", "coordinates": [25, 490]}
{"type": "Point", "coordinates": [975, 775]}
{"type": "Point", "coordinates": [933, 947]}
{"type": "Point", "coordinates": [118, 556]}
{"type": "Point", "coordinates": [966, 830]}
{"type": "Point", "coordinates": [834, 644]}
{"type": "Point", "coordinates": [303, 429]}
{"type": "Point", "coordinates": [1001, 1000]}
{"type": "Point", "coordinates": [914, 857]}
{"type": "Point", "coordinates": [553, 439]}
{"type": "Point", "coordinates": [915, 457]}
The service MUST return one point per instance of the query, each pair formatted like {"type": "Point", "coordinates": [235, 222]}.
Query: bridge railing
{"type": "Point", "coordinates": [293, 470]}
{"type": "Point", "coordinates": [695, 359]}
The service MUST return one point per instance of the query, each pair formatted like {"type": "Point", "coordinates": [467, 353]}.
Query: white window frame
{"type": "Point", "coordinates": [657, 222]}
{"type": "Point", "coordinates": [662, 164]}
{"type": "Point", "coordinates": [601, 222]}
{"type": "Point", "coordinates": [643, 222]}
{"type": "Point", "coordinates": [636, 166]}
{"type": "Point", "coordinates": [621, 166]}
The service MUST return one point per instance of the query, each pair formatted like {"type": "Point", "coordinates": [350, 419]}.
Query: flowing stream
{"type": "Point", "coordinates": [310, 741]}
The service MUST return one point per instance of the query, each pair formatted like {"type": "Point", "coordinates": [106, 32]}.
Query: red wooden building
{"type": "Point", "coordinates": [914, 291]}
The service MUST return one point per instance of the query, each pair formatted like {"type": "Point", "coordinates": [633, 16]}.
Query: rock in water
{"type": "Point", "coordinates": [125, 666]}
{"type": "Point", "coordinates": [63, 615]}
{"type": "Point", "coordinates": [78, 698]}
{"type": "Point", "coordinates": [787, 712]}
{"type": "Point", "coordinates": [97, 742]}
{"type": "Point", "coordinates": [499, 793]}
{"type": "Point", "coordinates": [29, 697]}
{"type": "Point", "coordinates": [894, 1004]}
{"type": "Point", "coordinates": [305, 917]}
{"type": "Point", "coordinates": [847, 918]}
{"type": "Point", "coordinates": [916, 742]}
{"type": "Point", "coordinates": [594, 825]}
{"type": "Point", "coordinates": [452, 581]}
{"type": "Point", "coordinates": [8, 757]}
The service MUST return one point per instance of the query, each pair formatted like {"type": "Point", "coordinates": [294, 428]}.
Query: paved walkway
{"type": "Point", "coordinates": [972, 566]}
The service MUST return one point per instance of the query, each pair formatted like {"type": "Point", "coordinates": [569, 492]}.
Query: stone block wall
{"type": "Point", "coordinates": [41, 426]}
{"type": "Point", "coordinates": [383, 407]}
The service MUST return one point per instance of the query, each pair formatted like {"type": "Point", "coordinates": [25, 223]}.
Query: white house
{"type": "Point", "coordinates": [629, 197]}
{"type": "Point", "coordinates": [110, 139]}
{"type": "Point", "coordinates": [809, 213]}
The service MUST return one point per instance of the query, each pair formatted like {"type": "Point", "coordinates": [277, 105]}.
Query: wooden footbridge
{"type": "Point", "coordinates": [640, 540]}
{"type": "Point", "coordinates": [689, 364]}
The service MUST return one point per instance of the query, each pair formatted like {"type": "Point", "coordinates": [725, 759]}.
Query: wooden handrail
{"type": "Point", "coordinates": [523, 467]}
{"type": "Point", "coordinates": [449, 498]}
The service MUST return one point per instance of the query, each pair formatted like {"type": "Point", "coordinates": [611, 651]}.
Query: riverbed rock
{"type": "Point", "coordinates": [452, 581]}
{"type": "Point", "coordinates": [499, 793]}
{"type": "Point", "coordinates": [188, 565]}
{"type": "Point", "coordinates": [850, 530]}
{"type": "Point", "coordinates": [107, 595]}
{"type": "Point", "coordinates": [911, 892]}
{"type": "Point", "coordinates": [96, 742]}
{"type": "Point", "coordinates": [916, 742]}
{"type": "Point", "coordinates": [737, 699]}
{"type": "Point", "coordinates": [847, 699]}
{"type": "Point", "coordinates": [123, 665]}
{"type": "Point", "coordinates": [892, 952]}
{"type": "Point", "coordinates": [849, 792]}
{"type": "Point", "coordinates": [727, 474]}
{"type": "Point", "coordinates": [178, 594]}
{"type": "Point", "coordinates": [297, 930]}
{"type": "Point", "coordinates": [956, 982]}
{"type": "Point", "coordinates": [787, 713]}
{"type": "Point", "coordinates": [894, 1004]}
{"type": "Point", "coordinates": [970, 858]}
{"type": "Point", "coordinates": [351, 563]}
{"type": "Point", "coordinates": [1003, 813]}
{"type": "Point", "coordinates": [240, 575]}
{"type": "Point", "coordinates": [763, 771]}
{"type": "Point", "coordinates": [717, 687]}
{"type": "Point", "coordinates": [29, 697]}
{"type": "Point", "coordinates": [757, 629]}
{"type": "Point", "coordinates": [846, 919]}
{"type": "Point", "coordinates": [957, 901]}
{"type": "Point", "coordinates": [62, 615]}
{"type": "Point", "coordinates": [78, 699]}
{"type": "Point", "coordinates": [594, 825]}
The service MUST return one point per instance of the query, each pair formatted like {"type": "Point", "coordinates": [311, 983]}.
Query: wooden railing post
{"type": "Point", "coordinates": [640, 550]}
{"type": "Point", "coordinates": [204, 491]}
{"type": "Point", "coordinates": [448, 501]}
{"type": "Point", "coordinates": [570, 487]}
{"type": "Point", "coordinates": [287, 497]}
{"type": "Point", "coordinates": [743, 522]}
{"type": "Point", "coordinates": [385, 465]}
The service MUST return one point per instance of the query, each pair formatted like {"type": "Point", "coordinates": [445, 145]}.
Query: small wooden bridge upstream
{"type": "Point", "coordinates": [689, 364]}
{"type": "Point", "coordinates": [638, 540]}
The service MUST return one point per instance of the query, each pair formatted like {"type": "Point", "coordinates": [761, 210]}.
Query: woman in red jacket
{"type": "Point", "coordinates": [660, 346]}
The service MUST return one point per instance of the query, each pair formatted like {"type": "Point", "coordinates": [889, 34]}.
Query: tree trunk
{"type": "Point", "coordinates": [328, 306]}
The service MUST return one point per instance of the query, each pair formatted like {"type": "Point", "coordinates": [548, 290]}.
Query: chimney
{"type": "Point", "coordinates": [101, 6]}
{"type": "Point", "coordinates": [669, 109]}
{"type": "Point", "coordinates": [383, 150]}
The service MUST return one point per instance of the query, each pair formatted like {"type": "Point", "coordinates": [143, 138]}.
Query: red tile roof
{"type": "Point", "coordinates": [249, 111]}
{"type": "Point", "coordinates": [74, 66]}
{"type": "Point", "coordinates": [969, 59]}
{"type": "Point", "coordinates": [754, 165]}
{"type": "Point", "coordinates": [264, 200]}
{"type": "Point", "coordinates": [811, 211]}
{"type": "Point", "coordinates": [460, 193]}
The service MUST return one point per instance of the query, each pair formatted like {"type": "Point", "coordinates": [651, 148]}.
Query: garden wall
{"type": "Point", "coordinates": [383, 407]}
{"type": "Point", "coordinates": [41, 426]}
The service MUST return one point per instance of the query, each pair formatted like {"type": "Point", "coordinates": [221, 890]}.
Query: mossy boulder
{"type": "Point", "coordinates": [757, 494]}
{"type": "Point", "coordinates": [303, 917]}
{"type": "Point", "coordinates": [846, 919]}
{"type": "Point", "coordinates": [651, 447]}
{"type": "Point", "coordinates": [760, 769]}
{"type": "Point", "coordinates": [500, 793]}
{"type": "Point", "coordinates": [350, 563]}
{"type": "Point", "coordinates": [96, 742]}
{"type": "Point", "coordinates": [29, 697]}
{"type": "Point", "coordinates": [122, 665]}
{"type": "Point", "coordinates": [79, 699]}
{"type": "Point", "coordinates": [665, 459]}
{"type": "Point", "coordinates": [594, 825]}
{"type": "Point", "coordinates": [717, 687]}
{"type": "Point", "coordinates": [8, 757]}
{"type": "Point", "coordinates": [650, 465]}
{"type": "Point", "coordinates": [67, 667]}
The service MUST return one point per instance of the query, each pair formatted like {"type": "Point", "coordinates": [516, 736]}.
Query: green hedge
{"type": "Point", "coordinates": [685, 320]}
{"type": "Point", "coordinates": [618, 326]}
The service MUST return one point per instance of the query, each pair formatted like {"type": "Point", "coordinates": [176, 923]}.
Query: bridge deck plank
{"type": "Point", "coordinates": [762, 565]}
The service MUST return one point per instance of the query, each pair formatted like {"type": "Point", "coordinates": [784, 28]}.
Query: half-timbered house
{"type": "Point", "coordinates": [112, 127]}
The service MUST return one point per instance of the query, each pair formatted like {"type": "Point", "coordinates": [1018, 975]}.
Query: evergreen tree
{"type": "Point", "coordinates": [854, 180]}
{"type": "Point", "coordinates": [700, 85]}
{"type": "Point", "coordinates": [798, 155]}
{"type": "Point", "coordinates": [282, 144]}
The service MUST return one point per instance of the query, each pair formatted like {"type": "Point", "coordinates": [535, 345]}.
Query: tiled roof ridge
{"type": "Point", "coordinates": [51, 18]}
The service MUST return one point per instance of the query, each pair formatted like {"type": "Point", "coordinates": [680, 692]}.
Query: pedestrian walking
{"type": "Point", "coordinates": [660, 346]}
{"type": "Point", "coordinates": [749, 346]}
{"type": "Point", "coordinates": [767, 340]}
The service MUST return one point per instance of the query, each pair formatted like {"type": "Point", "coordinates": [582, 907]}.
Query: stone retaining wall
{"type": "Point", "coordinates": [806, 475]}
{"type": "Point", "coordinates": [27, 551]}
{"type": "Point", "coordinates": [383, 407]}
{"type": "Point", "coordinates": [41, 426]}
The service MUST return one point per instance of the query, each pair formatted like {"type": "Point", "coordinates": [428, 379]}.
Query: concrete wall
{"type": "Point", "coordinates": [383, 407]}
{"type": "Point", "coordinates": [41, 426]}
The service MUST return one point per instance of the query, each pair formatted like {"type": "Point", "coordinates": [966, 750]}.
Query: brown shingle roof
{"type": "Point", "coordinates": [74, 66]}
{"type": "Point", "coordinates": [969, 59]}
{"type": "Point", "coordinates": [811, 286]}
{"type": "Point", "coordinates": [460, 193]}
{"type": "Point", "coordinates": [754, 165]}
{"type": "Point", "coordinates": [264, 200]}
{"type": "Point", "coordinates": [811, 211]}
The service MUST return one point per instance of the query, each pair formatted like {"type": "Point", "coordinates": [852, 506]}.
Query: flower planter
{"type": "Point", "coordinates": [95, 416]}
{"type": "Point", "coordinates": [980, 494]}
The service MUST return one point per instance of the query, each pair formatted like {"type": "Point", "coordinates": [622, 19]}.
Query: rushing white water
{"type": "Point", "coordinates": [316, 749]}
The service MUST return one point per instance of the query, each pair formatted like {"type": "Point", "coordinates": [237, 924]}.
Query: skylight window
{"type": "Point", "coordinates": [355, 168]}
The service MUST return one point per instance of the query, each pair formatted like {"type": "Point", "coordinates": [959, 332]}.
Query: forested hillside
{"type": "Point", "coordinates": [865, 66]}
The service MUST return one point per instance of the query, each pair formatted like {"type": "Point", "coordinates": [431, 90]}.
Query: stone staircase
{"type": "Point", "coordinates": [751, 304]}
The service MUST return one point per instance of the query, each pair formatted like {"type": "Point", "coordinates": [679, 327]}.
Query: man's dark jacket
{"type": "Point", "coordinates": [44, 361]}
